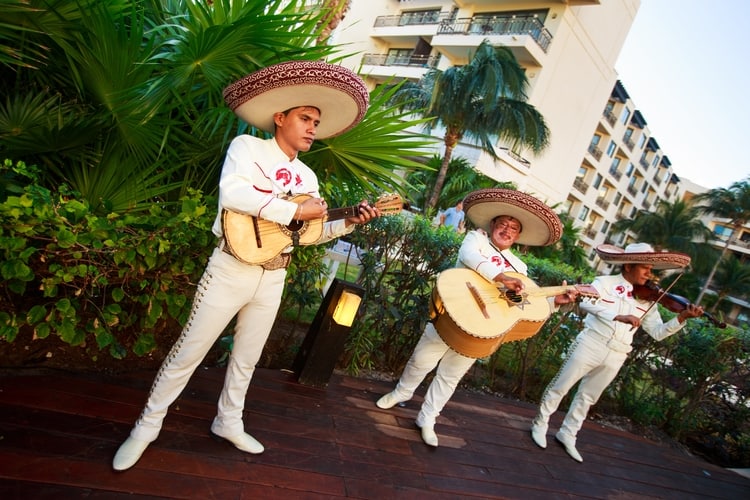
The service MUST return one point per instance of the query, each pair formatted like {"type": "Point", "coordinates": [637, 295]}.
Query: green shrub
{"type": "Point", "coordinates": [117, 282]}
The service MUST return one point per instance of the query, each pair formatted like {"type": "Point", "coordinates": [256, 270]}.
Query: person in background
{"type": "Point", "coordinates": [503, 217]}
{"type": "Point", "coordinates": [296, 101]}
{"type": "Point", "coordinates": [454, 217]}
{"type": "Point", "coordinates": [600, 349]}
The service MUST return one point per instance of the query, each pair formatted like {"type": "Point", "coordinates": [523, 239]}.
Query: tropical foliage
{"type": "Point", "coordinates": [122, 100]}
{"type": "Point", "coordinates": [675, 226]}
{"type": "Point", "coordinates": [463, 179]}
{"type": "Point", "coordinates": [484, 101]}
{"type": "Point", "coordinates": [732, 204]}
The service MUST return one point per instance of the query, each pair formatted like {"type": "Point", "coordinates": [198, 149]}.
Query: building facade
{"type": "Point", "coordinates": [602, 162]}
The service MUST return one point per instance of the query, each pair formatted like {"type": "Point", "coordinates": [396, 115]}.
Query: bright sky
{"type": "Point", "coordinates": [685, 66]}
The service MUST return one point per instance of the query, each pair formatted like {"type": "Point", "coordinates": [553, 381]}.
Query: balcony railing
{"type": "Point", "coordinates": [615, 173]}
{"type": "Point", "coordinates": [595, 152]}
{"type": "Point", "coordinates": [499, 25]}
{"type": "Point", "coordinates": [580, 185]}
{"type": "Point", "coordinates": [410, 19]}
{"type": "Point", "coordinates": [520, 159]}
{"type": "Point", "coordinates": [643, 163]}
{"type": "Point", "coordinates": [602, 203]}
{"type": "Point", "coordinates": [610, 117]}
{"type": "Point", "coordinates": [629, 143]}
{"type": "Point", "coordinates": [420, 61]}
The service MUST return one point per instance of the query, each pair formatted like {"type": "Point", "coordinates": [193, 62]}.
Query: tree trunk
{"type": "Point", "coordinates": [451, 139]}
{"type": "Point", "coordinates": [730, 240]}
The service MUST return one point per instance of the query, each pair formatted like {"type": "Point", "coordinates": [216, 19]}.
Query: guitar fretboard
{"type": "Point", "coordinates": [342, 213]}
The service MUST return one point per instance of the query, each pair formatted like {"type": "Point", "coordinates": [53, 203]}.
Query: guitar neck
{"type": "Point", "coordinates": [342, 213]}
{"type": "Point", "coordinates": [548, 291]}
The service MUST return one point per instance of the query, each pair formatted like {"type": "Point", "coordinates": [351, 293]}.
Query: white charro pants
{"type": "Point", "coordinates": [431, 351]}
{"type": "Point", "coordinates": [227, 288]}
{"type": "Point", "coordinates": [592, 362]}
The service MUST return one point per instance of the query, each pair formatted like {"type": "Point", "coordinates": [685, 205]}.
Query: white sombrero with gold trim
{"type": "Point", "coordinates": [339, 94]}
{"type": "Point", "coordinates": [642, 253]}
{"type": "Point", "coordinates": [540, 225]}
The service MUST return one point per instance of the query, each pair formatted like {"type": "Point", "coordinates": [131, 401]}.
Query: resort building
{"type": "Point", "coordinates": [602, 162]}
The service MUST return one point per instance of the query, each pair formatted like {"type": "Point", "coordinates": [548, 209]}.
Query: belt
{"type": "Point", "coordinates": [281, 261]}
{"type": "Point", "coordinates": [613, 343]}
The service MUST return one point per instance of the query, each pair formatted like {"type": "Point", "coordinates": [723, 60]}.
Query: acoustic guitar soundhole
{"type": "Point", "coordinates": [514, 297]}
{"type": "Point", "coordinates": [295, 226]}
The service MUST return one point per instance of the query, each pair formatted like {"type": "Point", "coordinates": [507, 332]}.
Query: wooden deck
{"type": "Point", "coordinates": [59, 432]}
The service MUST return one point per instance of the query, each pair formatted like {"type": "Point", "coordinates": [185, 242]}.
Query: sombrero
{"type": "Point", "coordinates": [339, 94]}
{"type": "Point", "coordinates": [642, 253]}
{"type": "Point", "coordinates": [541, 226]}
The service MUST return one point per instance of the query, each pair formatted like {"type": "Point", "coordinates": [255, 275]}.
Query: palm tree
{"type": "Point", "coordinates": [732, 279]}
{"type": "Point", "coordinates": [674, 226]}
{"type": "Point", "coordinates": [463, 180]}
{"type": "Point", "coordinates": [484, 100]}
{"type": "Point", "coordinates": [733, 204]}
{"type": "Point", "coordinates": [567, 250]}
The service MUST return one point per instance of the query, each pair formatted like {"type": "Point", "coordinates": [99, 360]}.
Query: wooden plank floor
{"type": "Point", "coordinates": [59, 432]}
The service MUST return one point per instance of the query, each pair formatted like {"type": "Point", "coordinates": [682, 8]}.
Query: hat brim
{"type": "Point", "coordinates": [339, 94]}
{"type": "Point", "coordinates": [540, 225]}
{"type": "Point", "coordinates": [658, 260]}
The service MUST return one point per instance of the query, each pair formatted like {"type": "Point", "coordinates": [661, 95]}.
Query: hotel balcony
{"type": "Point", "coordinates": [524, 35]}
{"type": "Point", "coordinates": [595, 152]}
{"type": "Point", "coordinates": [384, 66]}
{"type": "Point", "coordinates": [603, 203]}
{"type": "Point", "coordinates": [615, 173]}
{"type": "Point", "coordinates": [580, 185]}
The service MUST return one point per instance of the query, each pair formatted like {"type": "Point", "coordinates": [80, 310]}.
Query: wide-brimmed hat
{"type": "Point", "coordinates": [540, 225]}
{"type": "Point", "coordinates": [339, 94]}
{"type": "Point", "coordinates": [642, 253]}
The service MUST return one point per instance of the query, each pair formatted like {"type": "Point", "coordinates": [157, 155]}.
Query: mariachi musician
{"type": "Point", "coordinates": [599, 351]}
{"type": "Point", "coordinates": [502, 217]}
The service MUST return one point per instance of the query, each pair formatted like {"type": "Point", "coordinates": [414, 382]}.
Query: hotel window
{"type": "Point", "coordinates": [398, 57]}
{"type": "Point", "coordinates": [583, 214]}
{"type": "Point", "coordinates": [625, 115]}
{"type": "Point", "coordinates": [597, 181]}
{"type": "Point", "coordinates": [641, 141]}
{"type": "Point", "coordinates": [615, 165]}
{"type": "Point", "coordinates": [630, 169]}
{"type": "Point", "coordinates": [605, 227]}
{"type": "Point", "coordinates": [723, 232]}
{"type": "Point", "coordinates": [611, 148]}
{"type": "Point", "coordinates": [656, 161]}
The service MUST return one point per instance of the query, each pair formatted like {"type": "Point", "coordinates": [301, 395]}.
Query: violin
{"type": "Point", "coordinates": [654, 293]}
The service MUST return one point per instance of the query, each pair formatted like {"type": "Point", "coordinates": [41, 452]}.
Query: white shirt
{"type": "Point", "coordinates": [256, 177]}
{"type": "Point", "coordinates": [479, 254]}
{"type": "Point", "coordinates": [616, 298]}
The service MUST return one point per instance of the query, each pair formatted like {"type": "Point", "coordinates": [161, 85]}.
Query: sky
{"type": "Point", "coordinates": [686, 67]}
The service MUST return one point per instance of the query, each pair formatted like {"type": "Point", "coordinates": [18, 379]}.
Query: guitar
{"type": "Point", "coordinates": [253, 240]}
{"type": "Point", "coordinates": [474, 317]}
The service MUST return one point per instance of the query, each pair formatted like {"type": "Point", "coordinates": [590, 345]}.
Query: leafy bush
{"type": "Point", "coordinates": [404, 254]}
{"type": "Point", "coordinates": [119, 281]}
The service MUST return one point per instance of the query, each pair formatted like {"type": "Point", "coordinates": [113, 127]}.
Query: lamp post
{"type": "Point", "coordinates": [326, 337]}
